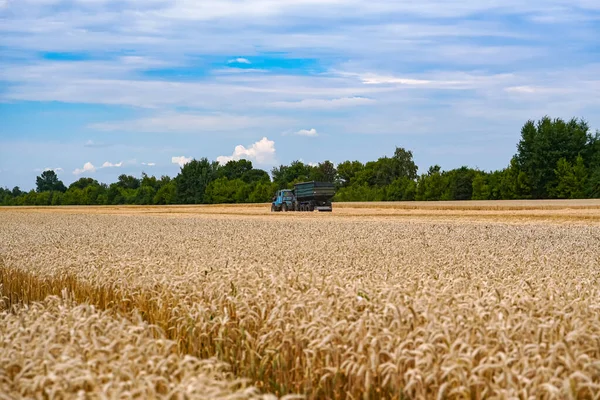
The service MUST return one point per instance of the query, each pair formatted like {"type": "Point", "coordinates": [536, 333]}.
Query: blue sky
{"type": "Point", "coordinates": [102, 87]}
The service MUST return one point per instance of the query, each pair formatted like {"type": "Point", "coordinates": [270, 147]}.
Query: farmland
{"type": "Point", "coordinates": [375, 300]}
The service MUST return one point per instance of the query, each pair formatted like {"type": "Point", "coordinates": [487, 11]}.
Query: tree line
{"type": "Point", "coordinates": [555, 159]}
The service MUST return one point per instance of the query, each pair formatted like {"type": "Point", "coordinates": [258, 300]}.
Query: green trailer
{"type": "Point", "coordinates": [310, 196]}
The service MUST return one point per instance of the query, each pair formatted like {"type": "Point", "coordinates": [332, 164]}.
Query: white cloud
{"type": "Point", "coordinates": [377, 79]}
{"type": "Point", "coordinates": [324, 103]}
{"type": "Point", "coordinates": [111, 165]}
{"type": "Point", "coordinates": [57, 170]}
{"type": "Point", "coordinates": [263, 152]}
{"type": "Point", "coordinates": [92, 144]}
{"type": "Point", "coordinates": [310, 163]}
{"type": "Point", "coordinates": [239, 60]}
{"type": "Point", "coordinates": [237, 71]}
{"type": "Point", "coordinates": [150, 164]}
{"type": "Point", "coordinates": [307, 132]}
{"type": "Point", "coordinates": [88, 167]}
{"type": "Point", "coordinates": [181, 160]}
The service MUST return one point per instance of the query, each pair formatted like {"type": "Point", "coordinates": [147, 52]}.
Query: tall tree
{"type": "Point", "coordinates": [324, 172]}
{"type": "Point", "coordinates": [432, 185]}
{"type": "Point", "coordinates": [403, 164]}
{"type": "Point", "coordinates": [285, 175]}
{"type": "Point", "coordinates": [128, 182]}
{"type": "Point", "coordinates": [347, 170]}
{"type": "Point", "coordinates": [192, 180]}
{"type": "Point", "coordinates": [82, 183]}
{"type": "Point", "coordinates": [543, 144]}
{"type": "Point", "coordinates": [235, 169]}
{"type": "Point", "coordinates": [16, 192]}
{"type": "Point", "coordinates": [256, 175]}
{"type": "Point", "coordinates": [48, 182]}
{"type": "Point", "coordinates": [593, 184]}
{"type": "Point", "coordinates": [460, 183]}
{"type": "Point", "coordinates": [571, 179]}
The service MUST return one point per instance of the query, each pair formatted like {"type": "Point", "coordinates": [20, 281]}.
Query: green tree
{"type": "Point", "coordinates": [5, 196]}
{"type": "Point", "coordinates": [347, 170]}
{"type": "Point", "coordinates": [387, 169]}
{"type": "Point", "coordinates": [571, 179]}
{"type": "Point", "coordinates": [166, 194]}
{"type": "Point", "coordinates": [85, 191]}
{"type": "Point", "coordinates": [324, 172]}
{"type": "Point", "coordinates": [225, 190]}
{"type": "Point", "coordinates": [82, 183]}
{"type": "Point", "coordinates": [285, 175]}
{"type": "Point", "coordinates": [593, 184]}
{"type": "Point", "coordinates": [514, 183]}
{"type": "Point", "coordinates": [403, 164]}
{"type": "Point", "coordinates": [128, 182]}
{"type": "Point", "coordinates": [401, 189]}
{"type": "Point", "coordinates": [480, 187]}
{"type": "Point", "coordinates": [16, 192]}
{"type": "Point", "coordinates": [193, 179]}
{"type": "Point", "coordinates": [367, 175]}
{"type": "Point", "coordinates": [235, 169]}
{"type": "Point", "coordinates": [262, 192]}
{"type": "Point", "coordinates": [48, 181]}
{"type": "Point", "coordinates": [543, 144]}
{"type": "Point", "coordinates": [459, 183]}
{"type": "Point", "coordinates": [255, 176]}
{"type": "Point", "coordinates": [432, 185]}
{"type": "Point", "coordinates": [360, 192]}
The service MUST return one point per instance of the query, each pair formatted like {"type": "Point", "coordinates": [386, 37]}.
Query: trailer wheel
{"type": "Point", "coordinates": [272, 207]}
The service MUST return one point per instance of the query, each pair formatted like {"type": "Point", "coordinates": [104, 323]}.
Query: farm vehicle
{"type": "Point", "coordinates": [305, 196]}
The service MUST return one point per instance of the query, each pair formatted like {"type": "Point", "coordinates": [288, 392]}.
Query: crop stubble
{"type": "Point", "coordinates": [332, 307]}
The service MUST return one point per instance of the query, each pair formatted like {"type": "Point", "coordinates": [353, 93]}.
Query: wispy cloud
{"type": "Point", "coordinates": [150, 164]}
{"type": "Point", "coordinates": [239, 60]}
{"type": "Point", "coordinates": [92, 144]}
{"type": "Point", "coordinates": [111, 165]}
{"type": "Point", "coordinates": [324, 103]}
{"type": "Point", "coordinates": [307, 132]}
{"type": "Point", "coordinates": [182, 122]}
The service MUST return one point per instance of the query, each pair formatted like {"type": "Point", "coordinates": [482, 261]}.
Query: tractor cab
{"type": "Point", "coordinates": [283, 200]}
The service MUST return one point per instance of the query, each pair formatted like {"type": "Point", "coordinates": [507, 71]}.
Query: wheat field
{"type": "Point", "coordinates": [362, 303]}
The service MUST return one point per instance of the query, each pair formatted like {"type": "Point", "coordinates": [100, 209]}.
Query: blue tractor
{"type": "Point", "coordinates": [283, 200]}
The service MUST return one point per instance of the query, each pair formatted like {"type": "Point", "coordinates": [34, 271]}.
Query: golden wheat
{"type": "Point", "coordinates": [56, 349]}
{"type": "Point", "coordinates": [337, 307]}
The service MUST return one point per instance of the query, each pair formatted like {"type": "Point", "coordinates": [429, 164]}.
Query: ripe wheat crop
{"type": "Point", "coordinates": [56, 349]}
{"type": "Point", "coordinates": [330, 307]}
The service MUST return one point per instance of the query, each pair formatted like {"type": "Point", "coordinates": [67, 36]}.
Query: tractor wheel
{"type": "Point", "coordinates": [284, 207]}
{"type": "Point", "coordinates": [273, 208]}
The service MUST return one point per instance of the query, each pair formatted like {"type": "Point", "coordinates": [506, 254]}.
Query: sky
{"type": "Point", "coordinates": [97, 88]}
